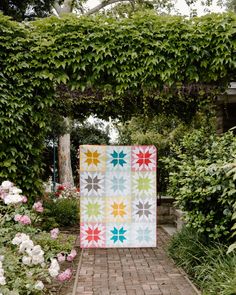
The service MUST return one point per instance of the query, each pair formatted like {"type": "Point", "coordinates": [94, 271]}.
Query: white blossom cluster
{"type": "Point", "coordinates": [38, 286]}
{"type": "Point", "coordinates": [66, 191]}
{"type": "Point", "coordinates": [54, 268]}
{"type": "Point", "coordinates": [26, 246]}
{"type": "Point", "coordinates": [2, 277]}
{"type": "Point", "coordinates": [10, 193]}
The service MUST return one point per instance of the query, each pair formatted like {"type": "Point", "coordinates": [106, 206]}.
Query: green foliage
{"type": "Point", "coordinates": [144, 64]}
{"type": "Point", "coordinates": [26, 9]}
{"type": "Point", "coordinates": [61, 208]}
{"type": "Point", "coordinates": [231, 5]}
{"type": "Point", "coordinates": [38, 245]}
{"type": "Point", "coordinates": [24, 104]}
{"type": "Point", "coordinates": [162, 131]}
{"type": "Point", "coordinates": [200, 183]}
{"type": "Point", "coordinates": [232, 171]}
{"type": "Point", "coordinates": [205, 261]}
{"type": "Point", "coordinates": [52, 247]}
{"type": "Point", "coordinates": [152, 71]}
{"type": "Point", "coordinates": [64, 211]}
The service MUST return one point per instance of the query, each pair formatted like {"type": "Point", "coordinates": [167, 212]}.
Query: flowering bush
{"type": "Point", "coordinates": [65, 192]}
{"type": "Point", "coordinates": [33, 255]}
{"type": "Point", "coordinates": [61, 207]}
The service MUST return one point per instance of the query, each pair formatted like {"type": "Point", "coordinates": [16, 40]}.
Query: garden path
{"type": "Point", "coordinates": [140, 271]}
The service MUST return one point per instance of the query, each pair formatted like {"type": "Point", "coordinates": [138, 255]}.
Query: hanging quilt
{"type": "Point", "coordinates": [118, 196]}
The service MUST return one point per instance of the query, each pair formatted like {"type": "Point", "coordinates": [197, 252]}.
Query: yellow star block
{"type": "Point", "coordinates": [92, 158]}
{"type": "Point", "coordinates": [118, 209]}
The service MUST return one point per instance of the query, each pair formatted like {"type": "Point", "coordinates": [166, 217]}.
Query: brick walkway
{"type": "Point", "coordinates": [131, 271]}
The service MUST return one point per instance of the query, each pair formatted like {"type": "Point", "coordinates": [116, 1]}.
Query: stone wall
{"type": "Point", "coordinates": [165, 211]}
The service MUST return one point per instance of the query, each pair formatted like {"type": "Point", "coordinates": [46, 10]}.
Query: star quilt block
{"type": "Point", "coordinates": [118, 196]}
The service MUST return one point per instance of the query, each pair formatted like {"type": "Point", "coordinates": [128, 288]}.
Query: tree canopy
{"type": "Point", "coordinates": [26, 9]}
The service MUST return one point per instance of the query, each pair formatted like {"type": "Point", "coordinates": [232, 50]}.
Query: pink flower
{"type": "Point", "coordinates": [38, 207]}
{"type": "Point", "coordinates": [17, 217]}
{"type": "Point", "coordinates": [24, 219]}
{"type": "Point", "coordinates": [24, 199]}
{"type": "Point", "coordinates": [54, 233]}
{"type": "Point", "coordinates": [61, 257]}
{"type": "Point", "coordinates": [72, 255]}
{"type": "Point", "coordinates": [65, 275]}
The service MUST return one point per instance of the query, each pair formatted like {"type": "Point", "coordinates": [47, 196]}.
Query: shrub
{"type": "Point", "coordinates": [205, 261]}
{"type": "Point", "coordinates": [27, 251]}
{"type": "Point", "coordinates": [232, 171]}
{"type": "Point", "coordinates": [201, 184]}
{"type": "Point", "coordinates": [61, 208]}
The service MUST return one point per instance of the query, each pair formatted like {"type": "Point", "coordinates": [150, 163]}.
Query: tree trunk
{"type": "Point", "coordinates": [64, 159]}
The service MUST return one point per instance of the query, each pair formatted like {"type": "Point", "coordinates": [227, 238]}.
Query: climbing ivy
{"type": "Point", "coordinates": [143, 64]}
{"type": "Point", "coordinates": [24, 102]}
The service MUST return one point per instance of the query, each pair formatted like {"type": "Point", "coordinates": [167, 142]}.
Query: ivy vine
{"type": "Point", "coordinates": [146, 63]}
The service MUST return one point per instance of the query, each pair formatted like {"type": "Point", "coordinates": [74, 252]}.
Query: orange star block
{"type": "Point", "coordinates": [92, 158]}
{"type": "Point", "coordinates": [118, 209]}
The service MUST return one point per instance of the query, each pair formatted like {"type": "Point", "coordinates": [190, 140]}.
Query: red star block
{"type": "Point", "coordinates": [144, 158]}
{"type": "Point", "coordinates": [93, 234]}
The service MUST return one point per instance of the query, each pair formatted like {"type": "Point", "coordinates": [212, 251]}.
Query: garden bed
{"type": "Point", "coordinates": [205, 261]}
{"type": "Point", "coordinates": [67, 288]}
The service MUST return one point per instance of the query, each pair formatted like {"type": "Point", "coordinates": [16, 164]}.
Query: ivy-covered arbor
{"type": "Point", "coordinates": [147, 63]}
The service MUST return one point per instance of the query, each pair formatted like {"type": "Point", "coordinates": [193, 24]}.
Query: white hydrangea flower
{"type": "Point", "coordinates": [2, 277]}
{"type": "Point", "coordinates": [36, 250]}
{"type": "Point", "coordinates": [1, 257]}
{"type": "Point", "coordinates": [37, 259]}
{"type": "Point", "coordinates": [12, 199]}
{"type": "Point", "coordinates": [39, 285]}
{"type": "Point", "coordinates": [15, 191]}
{"type": "Point", "coordinates": [6, 185]}
{"type": "Point", "coordinates": [19, 238]}
{"type": "Point", "coordinates": [26, 260]}
{"type": "Point", "coordinates": [26, 245]}
{"type": "Point", "coordinates": [2, 280]}
{"type": "Point", "coordinates": [54, 268]}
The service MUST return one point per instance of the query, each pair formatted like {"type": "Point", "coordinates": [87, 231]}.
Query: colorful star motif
{"type": "Point", "coordinates": [118, 183]}
{"type": "Point", "coordinates": [93, 183]}
{"type": "Point", "coordinates": [118, 158]}
{"type": "Point", "coordinates": [93, 234]}
{"type": "Point", "coordinates": [143, 235]}
{"type": "Point", "coordinates": [118, 196]}
{"type": "Point", "coordinates": [92, 158]}
{"type": "Point", "coordinates": [144, 183]}
{"type": "Point", "coordinates": [118, 209]}
{"type": "Point", "coordinates": [93, 209]}
{"type": "Point", "coordinates": [143, 209]}
{"type": "Point", "coordinates": [118, 234]}
{"type": "Point", "coordinates": [144, 158]}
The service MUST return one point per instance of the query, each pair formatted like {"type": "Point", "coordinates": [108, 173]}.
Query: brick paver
{"type": "Point", "coordinates": [141, 271]}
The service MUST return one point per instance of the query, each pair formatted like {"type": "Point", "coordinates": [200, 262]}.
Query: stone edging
{"type": "Point", "coordinates": [77, 273]}
{"type": "Point", "coordinates": [198, 292]}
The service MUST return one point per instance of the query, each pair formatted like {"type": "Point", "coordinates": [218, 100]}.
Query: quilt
{"type": "Point", "coordinates": [118, 196]}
